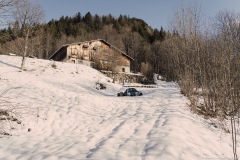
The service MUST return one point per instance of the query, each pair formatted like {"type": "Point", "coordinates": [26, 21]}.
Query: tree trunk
{"type": "Point", "coordinates": [25, 50]}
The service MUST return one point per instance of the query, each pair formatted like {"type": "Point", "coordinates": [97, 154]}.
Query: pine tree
{"type": "Point", "coordinates": [88, 19]}
{"type": "Point", "coordinates": [97, 23]}
{"type": "Point", "coordinates": [78, 18]}
{"type": "Point", "coordinates": [162, 34]}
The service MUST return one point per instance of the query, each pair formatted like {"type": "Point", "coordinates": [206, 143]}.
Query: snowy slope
{"type": "Point", "coordinates": [70, 119]}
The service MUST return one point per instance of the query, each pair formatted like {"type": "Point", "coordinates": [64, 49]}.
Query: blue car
{"type": "Point", "coordinates": [130, 92]}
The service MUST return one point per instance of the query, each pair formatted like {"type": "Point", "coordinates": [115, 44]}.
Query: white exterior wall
{"type": "Point", "coordinates": [120, 69]}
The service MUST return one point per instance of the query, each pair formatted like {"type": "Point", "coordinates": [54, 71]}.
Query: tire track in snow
{"type": "Point", "coordinates": [138, 118]}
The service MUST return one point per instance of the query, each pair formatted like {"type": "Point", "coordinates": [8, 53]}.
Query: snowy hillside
{"type": "Point", "coordinates": [64, 117]}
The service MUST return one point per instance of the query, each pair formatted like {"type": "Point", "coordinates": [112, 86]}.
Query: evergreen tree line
{"type": "Point", "coordinates": [131, 35]}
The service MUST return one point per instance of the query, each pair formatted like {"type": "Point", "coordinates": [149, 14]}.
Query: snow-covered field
{"type": "Point", "coordinates": [70, 119]}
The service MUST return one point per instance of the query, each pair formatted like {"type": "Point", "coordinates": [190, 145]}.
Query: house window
{"type": "Point", "coordinates": [73, 61]}
{"type": "Point", "coordinates": [85, 46]}
{"type": "Point", "coordinates": [123, 69]}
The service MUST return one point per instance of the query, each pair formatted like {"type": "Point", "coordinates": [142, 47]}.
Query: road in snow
{"type": "Point", "coordinates": [76, 121]}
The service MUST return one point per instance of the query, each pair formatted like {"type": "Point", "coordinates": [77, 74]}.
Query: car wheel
{"type": "Point", "coordinates": [120, 94]}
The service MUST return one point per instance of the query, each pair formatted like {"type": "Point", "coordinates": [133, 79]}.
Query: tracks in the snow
{"type": "Point", "coordinates": [133, 124]}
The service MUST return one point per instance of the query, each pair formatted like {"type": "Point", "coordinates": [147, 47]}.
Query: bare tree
{"type": "Point", "coordinates": [28, 14]}
{"type": "Point", "coordinates": [134, 46]}
{"type": "Point", "coordinates": [186, 46]}
{"type": "Point", "coordinates": [209, 64]}
{"type": "Point", "coordinates": [5, 8]}
{"type": "Point", "coordinates": [228, 31]}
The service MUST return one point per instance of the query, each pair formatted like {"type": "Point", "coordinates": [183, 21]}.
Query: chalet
{"type": "Point", "coordinates": [102, 54]}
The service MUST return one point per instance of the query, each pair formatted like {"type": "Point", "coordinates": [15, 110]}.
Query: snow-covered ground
{"type": "Point", "coordinates": [70, 119]}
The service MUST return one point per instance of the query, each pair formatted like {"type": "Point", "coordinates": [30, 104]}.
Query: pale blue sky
{"type": "Point", "coordinates": [156, 13]}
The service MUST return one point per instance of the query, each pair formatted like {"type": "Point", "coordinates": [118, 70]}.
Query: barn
{"type": "Point", "coordinates": [98, 53]}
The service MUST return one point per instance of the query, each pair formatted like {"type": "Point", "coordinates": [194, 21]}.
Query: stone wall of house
{"type": "Point", "coordinates": [105, 56]}
{"type": "Point", "coordinates": [124, 77]}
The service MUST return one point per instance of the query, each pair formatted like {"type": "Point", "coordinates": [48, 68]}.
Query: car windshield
{"type": "Point", "coordinates": [132, 90]}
